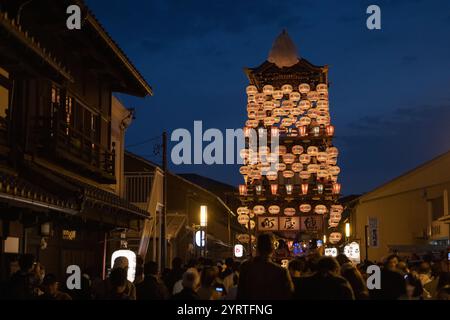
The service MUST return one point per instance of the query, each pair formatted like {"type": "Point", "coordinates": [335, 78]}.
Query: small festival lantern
{"type": "Point", "coordinates": [296, 167]}
{"type": "Point", "coordinates": [288, 158]}
{"type": "Point", "coordinates": [313, 96]}
{"type": "Point", "coordinates": [302, 131]}
{"type": "Point", "coordinates": [322, 88]}
{"type": "Point", "coordinates": [268, 90]}
{"type": "Point", "coordinates": [319, 188]}
{"type": "Point", "coordinates": [304, 175]}
{"type": "Point", "coordinates": [259, 209]}
{"type": "Point", "coordinates": [269, 121]}
{"type": "Point", "coordinates": [322, 156]}
{"type": "Point", "coordinates": [274, 188]}
{"type": "Point", "coordinates": [243, 190]}
{"type": "Point", "coordinates": [288, 174]}
{"type": "Point", "coordinates": [243, 219]}
{"type": "Point", "coordinates": [294, 96]}
{"type": "Point", "coordinates": [244, 170]}
{"type": "Point", "coordinates": [312, 151]}
{"type": "Point", "coordinates": [268, 105]}
{"type": "Point", "coordinates": [305, 207]}
{"type": "Point", "coordinates": [336, 208]}
{"type": "Point", "coordinates": [305, 188]}
{"type": "Point", "coordinates": [277, 94]}
{"type": "Point", "coordinates": [242, 210]}
{"type": "Point", "coordinates": [321, 120]}
{"type": "Point", "coordinates": [271, 175]}
{"type": "Point", "coordinates": [243, 237]}
{"type": "Point", "coordinates": [322, 173]}
{"type": "Point", "coordinates": [329, 130]}
{"type": "Point", "coordinates": [260, 98]}
{"type": "Point", "coordinates": [303, 88]}
{"type": "Point", "coordinates": [332, 152]}
{"type": "Point", "coordinates": [295, 111]}
{"type": "Point", "coordinates": [313, 168]}
{"type": "Point", "coordinates": [335, 237]}
{"type": "Point", "coordinates": [252, 224]}
{"type": "Point", "coordinates": [304, 105]}
{"type": "Point", "coordinates": [258, 189]}
{"type": "Point", "coordinates": [286, 88]}
{"type": "Point", "coordinates": [280, 166]}
{"type": "Point", "coordinates": [336, 188]}
{"type": "Point", "coordinates": [305, 158]}
{"type": "Point", "coordinates": [331, 161]}
{"type": "Point", "coordinates": [288, 189]}
{"type": "Point", "coordinates": [252, 123]}
{"type": "Point", "coordinates": [251, 90]}
{"type": "Point", "coordinates": [297, 149]}
{"type": "Point", "coordinates": [251, 98]}
{"type": "Point", "coordinates": [274, 209]}
{"type": "Point", "coordinates": [320, 209]}
{"type": "Point", "coordinates": [304, 121]}
{"type": "Point", "coordinates": [247, 131]}
{"type": "Point", "coordinates": [289, 212]}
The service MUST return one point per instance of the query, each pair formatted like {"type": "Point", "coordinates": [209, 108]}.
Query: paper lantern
{"type": "Point", "coordinates": [259, 209]}
{"type": "Point", "coordinates": [334, 170]}
{"type": "Point", "coordinates": [305, 188]}
{"type": "Point", "coordinates": [251, 115]}
{"type": "Point", "coordinates": [336, 208]}
{"type": "Point", "coordinates": [274, 209]}
{"type": "Point", "coordinates": [288, 174]}
{"type": "Point", "coordinates": [252, 107]}
{"type": "Point", "coordinates": [243, 189]}
{"type": "Point", "coordinates": [332, 151]}
{"type": "Point", "coordinates": [280, 166]}
{"type": "Point", "coordinates": [289, 212]}
{"type": "Point", "coordinates": [305, 207]}
{"type": "Point", "coordinates": [260, 98]}
{"type": "Point", "coordinates": [322, 88]}
{"type": "Point", "coordinates": [287, 88]}
{"type": "Point", "coordinates": [274, 132]}
{"type": "Point", "coordinates": [305, 175]}
{"type": "Point", "coordinates": [258, 189]}
{"type": "Point", "coordinates": [251, 123]}
{"type": "Point", "coordinates": [268, 106]}
{"type": "Point", "coordinates": [335, 217]}
{"type": "Point", "coordinates": [274, 188]}
{"type": "Point", "coordinates": [268, 90]}
{"type": "Point", "coordinates": [304, 121]}
{"type": "Point", "coordinates": [312, 151]}
{"type": "Point", "coordinates": [304, 105]}
{"type": "Point", "coordinates": [313, 168]}
{"type": "Point", "coordinates": [331, 161]}
{"type": "Point", "coordinates": [277, 94]}
{"type": "Point", "coordinates": [305, 158]}
{"type": "Point", "coordinates": [247, 131]}
{"type": "Point", "coordinates": [297, 167]}
{"type": "Point", "coordinates": [244, 170]}
{"type": "Point", "coordinates": [322, 120]}
{"type": "Point", "coordinates": [322, 173]}
{"type": "Point", "coordinates": [243, 237]}
{"type": "Point", "coordinates": [269, 121]}
{"type": "Point", "coordinates": [242, 210]}
{"type": "Point", "coordinates": [243, 219]}
{"type": "Point", "coordinates": [287, 122]}
{"type": "Point", "coordinates": [296, 111]}
{"type": "Point", "coordinates": [336, 188]}
{"type": "Point", "coordinates": [322, 104]}
{"type": "Point", "coordinates": [277, 112]}
{"type": "Point", "coordinates": [251, 98]}
{"type": "Point", "coordinates": [288, 188]}
{"type": "Point", "coordinates": [332, 224]}
{"type": "Point", "coordinates": [322, 156]}
{"type": "Point", "coordinates": [329, 130]}
{"type": "Point", "coordinates": [251, 89]}
{"type": "Point", "coordinates": [271, 175]}
{"type": "Point", "coordinates": [316, 131]}
{"type": "Point", "coordinates": [288, 158]}
{"type": "Point", "coordinates": [313, 96]}
{"type": "Point", "coordinates": [312, 113]}
{"type": "Point", "coordinates": [294, 96]}
{"type": "Point", "coordinates": [297, 149]}
{"type": "Point", "coordinates": [303, 88]}
{"type": "Point", "coordinates": [320, 209]}
{"type": "Point", "coordinates": [335, 237]}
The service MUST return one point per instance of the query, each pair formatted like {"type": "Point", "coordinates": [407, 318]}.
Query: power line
{"type": "Point", "coordinates": [143, 142]}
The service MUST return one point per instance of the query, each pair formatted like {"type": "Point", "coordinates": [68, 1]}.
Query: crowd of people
{"type": "Point", "coordinates": [311, 277]}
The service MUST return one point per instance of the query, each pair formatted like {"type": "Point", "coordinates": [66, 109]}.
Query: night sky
{"type": "Point", "coordinates": [389, 93]}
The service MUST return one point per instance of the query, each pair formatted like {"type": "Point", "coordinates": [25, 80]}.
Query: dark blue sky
{"type": "Point", "coordinates": [390, 88]}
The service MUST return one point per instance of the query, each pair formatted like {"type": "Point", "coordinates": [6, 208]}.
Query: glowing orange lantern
{"type": "Point", "coordinates": [336, 188]}
{"type": "Point", "coordinates": [330, 130]}
{"type": "Point", "coordinates": [274, 188]}
{"type": "Point", "coordinates": [305, 188]}
{"type": "Point", "coordinates": [243, 189]}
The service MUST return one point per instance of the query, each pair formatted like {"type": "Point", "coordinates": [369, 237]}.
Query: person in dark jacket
{"type": "Point", "coordinates": [175, 274]}
{"type": "Point", "coordinates": [260, 278]}
{"type": "Point", "coordinates": [392, 282]}
{"type": "Point", "coordinates": [190, 283]}
{"type": "Point", "coordinates": [296, 269]}
{"type": "Point", "coordinates": [152, 288]}
{"type": "Point", "coordinates": [22, 282]}
{"type": "Point", "coordinates": [325, 283]}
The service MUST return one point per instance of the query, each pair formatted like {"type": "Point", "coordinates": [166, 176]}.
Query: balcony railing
{"type": "Point", "coordinates": [138, 186]}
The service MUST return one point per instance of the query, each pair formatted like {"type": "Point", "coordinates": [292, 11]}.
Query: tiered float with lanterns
{"type": "Point", "coordinates": [290, 188]}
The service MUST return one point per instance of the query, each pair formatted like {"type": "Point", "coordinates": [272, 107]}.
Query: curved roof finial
{"type": "Point", "coordinates": [284, 51]}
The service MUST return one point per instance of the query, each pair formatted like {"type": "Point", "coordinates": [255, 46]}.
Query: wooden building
{"type": "Point", "coordinates": [60, 178]}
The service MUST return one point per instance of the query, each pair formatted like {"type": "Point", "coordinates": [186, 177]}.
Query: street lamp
{"type": "Point", "coordinates": [203, 216]}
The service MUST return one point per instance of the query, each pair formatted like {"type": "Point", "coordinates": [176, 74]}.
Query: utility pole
{"type": "Point", "coordinates": [163, 240]}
